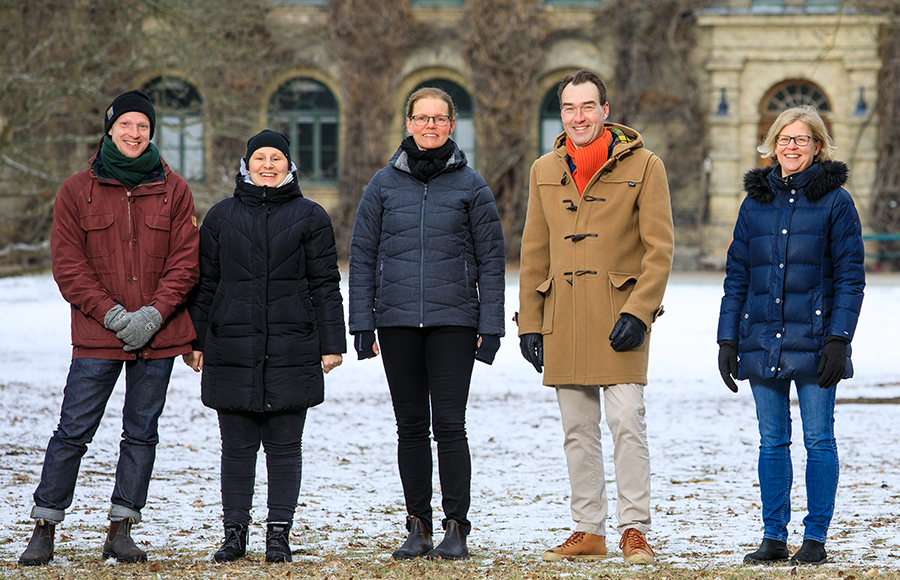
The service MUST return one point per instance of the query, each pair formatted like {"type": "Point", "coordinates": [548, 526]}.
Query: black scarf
{"type": "Point", "coordinates": [424, 164]}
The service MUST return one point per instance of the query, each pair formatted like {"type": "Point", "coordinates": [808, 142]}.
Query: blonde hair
{"type": "Point", "coordinates": [430, 93]}
{"type": "Point", "coordinates": [808, 115]}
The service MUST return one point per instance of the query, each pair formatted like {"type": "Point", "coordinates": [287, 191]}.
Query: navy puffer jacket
{"type": "Point", "coordinates": [268, 304]}
{"type": "Point", "coordinates": [427, 254]}
{"type": "Point", "coordinates": [794, 273]}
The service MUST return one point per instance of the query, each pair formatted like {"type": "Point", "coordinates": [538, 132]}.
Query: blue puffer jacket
{"type": "Point", "coordinates": [427, 254]}
{"type": "Point", "coordinates": [794, 273]}
{"type": "Point", "coordinates": [268, 304]}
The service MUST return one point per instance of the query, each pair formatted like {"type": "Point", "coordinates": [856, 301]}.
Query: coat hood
{"type": "Point", "coordinates": [831, 175]}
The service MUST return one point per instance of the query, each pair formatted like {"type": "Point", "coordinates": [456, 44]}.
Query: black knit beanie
{"type": "Point", "coordinates": [269, 138]}
{"type": "Point", "coordinates": [132, 101]}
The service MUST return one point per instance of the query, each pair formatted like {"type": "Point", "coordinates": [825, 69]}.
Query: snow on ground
{"type": "Point", "coordinates": [703, 444]}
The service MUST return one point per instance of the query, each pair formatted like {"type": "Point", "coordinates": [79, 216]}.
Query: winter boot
{"type": "Point", "coordinates": [40, 547]}
{"type": "Point", "coordinates": [769, 552]}
{"type": "Point", "coordinates": [235, 545]}
{"type": "Point", "coordinates": [277, 547]}
{"type": "Point", "coordinates": [811, 553]}
{"type": "Point", "coordinates": [119, 544]}
{"type": "Point", "coordinates": [452, 547]}
{"type": "Point", "coordinates": [417, 544]}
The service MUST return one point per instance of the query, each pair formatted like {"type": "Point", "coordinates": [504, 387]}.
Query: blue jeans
{"type": "Point", "coordinates": [773, 411]}
{"type": "Point", "coordinates": [88, 388]}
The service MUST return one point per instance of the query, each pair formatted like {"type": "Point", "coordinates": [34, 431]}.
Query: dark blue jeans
{"type": "Point", "coordinates": [428, 372]}
{"type": "Point", "coordinates": [88, 388]}
{"type": "Point", "coordinates": [281, 435]}
{"type": "Point", "coordinates": [773, 411]}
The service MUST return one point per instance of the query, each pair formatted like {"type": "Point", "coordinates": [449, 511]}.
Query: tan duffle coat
{"type": "Point", "coordinates": [588, 259]}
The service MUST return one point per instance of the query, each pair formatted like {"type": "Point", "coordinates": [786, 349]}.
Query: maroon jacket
{"type": "Point", "coordinates": [136, 248]}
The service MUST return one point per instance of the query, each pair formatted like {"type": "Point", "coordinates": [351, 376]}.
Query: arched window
{"type": "Point", "coordinates": [307, 112]}
{"type": "Point", "coordinates": [464, 133]}
{"type": "Point", "coordinates": [791, 93]}
{"type": "Point", "coordinates": [179, 125]}
{"type": "Point", "coordinates": [551, 122]}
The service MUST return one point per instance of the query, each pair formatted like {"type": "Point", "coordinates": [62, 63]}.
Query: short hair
{"type": "Point", "coordinates": [808, 115]}
{"type": "Point", "coordinates": [430, 93]}
{"type": "Point", "coordinates": [580, 77]}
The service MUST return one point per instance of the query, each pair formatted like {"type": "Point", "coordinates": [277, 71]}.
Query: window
{"type": "Point", "coordinates": [307, 112]}
{"type": "Point", "coordinates": [551, 122]}
{"type": "Point", "coordinates": [464, 133]}
{"type": "Point", "coordinates": [766, 5]}
{"type": "Point", "coordinates": [179, 126]}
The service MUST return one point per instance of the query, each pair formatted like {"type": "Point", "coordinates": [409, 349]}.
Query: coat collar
{"type": "Point", "coordinates": [831, 175]}
{"type": "Point", "coordinates": [253, 195]}
{"type": "Point", "coordinates": [625, 139]}
{"type": "Point", "coordinates": [400, 161]}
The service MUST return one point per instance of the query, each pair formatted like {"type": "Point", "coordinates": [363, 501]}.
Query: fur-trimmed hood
{"type": "Point", "coordinates": [830, 176]}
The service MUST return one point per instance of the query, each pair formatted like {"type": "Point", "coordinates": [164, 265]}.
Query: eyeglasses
{"type": "Point", "coordinates": [422, 120]}
{"type": "Point", "coordinates": [800, 140]}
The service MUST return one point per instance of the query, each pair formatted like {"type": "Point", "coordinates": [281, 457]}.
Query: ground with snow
{"type": "Point", "coordinates": [703, 444]}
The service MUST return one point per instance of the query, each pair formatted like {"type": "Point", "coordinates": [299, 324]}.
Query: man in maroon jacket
{"type": "Point", "coordinates": [125, 255]}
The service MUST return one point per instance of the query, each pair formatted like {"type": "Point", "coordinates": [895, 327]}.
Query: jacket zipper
{"type": "Point", "coordinates": [130, 237]}
{"type": "Point", "coordinates": [422, 260]}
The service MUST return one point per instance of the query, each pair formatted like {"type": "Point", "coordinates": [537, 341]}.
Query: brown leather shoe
{"type": "Point", "coordinates": [635, 548]}
{"type": "Point", "coordinates": [579, 546]}
{"type": "Point", "coordinates": [119, 544]}
{"type": "Point", "coordinates": [40, 547]}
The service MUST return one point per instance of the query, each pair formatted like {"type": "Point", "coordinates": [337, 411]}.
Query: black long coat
{"type": "Point", "coordinates": [268, 304]}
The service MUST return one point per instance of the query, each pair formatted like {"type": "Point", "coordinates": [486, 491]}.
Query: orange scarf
{"type": "Point", "coordinates": [588, 160]}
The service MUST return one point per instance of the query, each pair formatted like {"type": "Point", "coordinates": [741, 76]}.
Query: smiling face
{"type": "Point", "coordinates": [582, 113]}
{"type": "Point", "coordinates": [794, 158]}
{"type": "Point", "coordinates": [131, 134]}
{"type": "Point", "coordinates": [268, 166]}
{"type": "Point", "coordinates": [430, 136]}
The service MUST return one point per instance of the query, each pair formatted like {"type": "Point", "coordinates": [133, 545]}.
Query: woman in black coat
{"type": "Point", "coordinates": [269, 319]}
{"type": "Point", "coordinates": [426, 271]}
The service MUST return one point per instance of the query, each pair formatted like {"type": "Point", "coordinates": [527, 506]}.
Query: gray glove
{"type": "Point", "coordinates": [142, 325]}
{"type": "Point", "coordinates": [117, 318]}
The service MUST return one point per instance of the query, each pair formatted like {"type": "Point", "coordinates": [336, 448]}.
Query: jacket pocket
{"type": "Point", "coordinates": [621, 286]}
{"type": "Point", "coordinates": [97, 227]}
{"type": "Point", "coordinates": [547, 291]}
{"type": "Point", "coordinates": [156, 242]}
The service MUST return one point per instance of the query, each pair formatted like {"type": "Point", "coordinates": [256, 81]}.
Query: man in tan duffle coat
{"type": "Point", "coordinates": [596, 256]}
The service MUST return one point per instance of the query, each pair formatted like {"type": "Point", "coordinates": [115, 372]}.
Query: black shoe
{"type": "Point", "coordinates": [452, 547]}
{"type": "Point", "coordinates": [811, 553]}
{"type": "Point", "coordinates": [119, 544]}
{"type": "Point", "coordinates": [417, 544]}
{"type": "Point", "coordinates": [769, 552]}
{"type": "Point", "coordinates": [40, 547]}
{"type": "Point", "coordinates": [277, 547]}
{"type": "Point", "coordinates": [235, 545]}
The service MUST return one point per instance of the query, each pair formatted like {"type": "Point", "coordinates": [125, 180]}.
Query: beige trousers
{"type": "Point", "coordinates": [579, 407]}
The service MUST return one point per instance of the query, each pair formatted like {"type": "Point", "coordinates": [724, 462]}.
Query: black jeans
{"type": "Point", "coordinates": [281, 435]}
{"type": "Point", "coordinates": [431, 368]}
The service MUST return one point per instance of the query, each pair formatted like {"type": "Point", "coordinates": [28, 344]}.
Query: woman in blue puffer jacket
{"type": "Point", "coordinates": [793, 290]}
{"type": "Point", "coordinates": [427, 271]}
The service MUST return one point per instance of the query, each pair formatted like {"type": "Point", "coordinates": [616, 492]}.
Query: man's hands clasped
{"type": "Point", "coordinates": [135, 329]}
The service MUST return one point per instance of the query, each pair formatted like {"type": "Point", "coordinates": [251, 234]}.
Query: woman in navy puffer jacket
{"type": "Point", "coordinates": [793, 291]}
{"type": "Point", "coordinates": [427, 271]}
{"type": "Point", "coordinates": [269, 319]}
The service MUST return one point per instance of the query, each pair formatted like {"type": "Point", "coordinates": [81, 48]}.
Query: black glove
{"type": "Point", "coordinates": [532, 346]}
{"type": "Point", "coordinates": [833, 362]}
{"type": "Point", "coordinates": [628, 333]}
{"type": "Point", "coordinates": [363, 343]}
{"type": "Point", "coordinates": [490, 343]}
{"type": "Point", "coordinates": [728, 360]}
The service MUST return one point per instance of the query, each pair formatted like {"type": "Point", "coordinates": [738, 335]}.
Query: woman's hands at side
{"type": "Point", "coordinates": [331, 361]}
{"type": "Point", "coordinates": [194, 360]}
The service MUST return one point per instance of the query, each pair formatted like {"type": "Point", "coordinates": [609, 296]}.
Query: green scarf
{"type": "Point", "coordinates": [130, 172]}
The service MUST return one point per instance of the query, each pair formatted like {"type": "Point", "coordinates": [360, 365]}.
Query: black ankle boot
{"type": "Point", "coordinates": [40, 547]}
{"type": "Point", "coordinates": [417, 544]}
{"type": "Point", "coordinates": [810, 553]}
{"type": "Point", "coordinates": [277, 547]}
{"type": "Point", "coordinates": [452, 547]}
{"type": "Point", "coordinates": [119, 544]}
{"type": "Point", "coordinates": [235, 544]}
{"type": "Point", "coordinates": [769, 552]}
